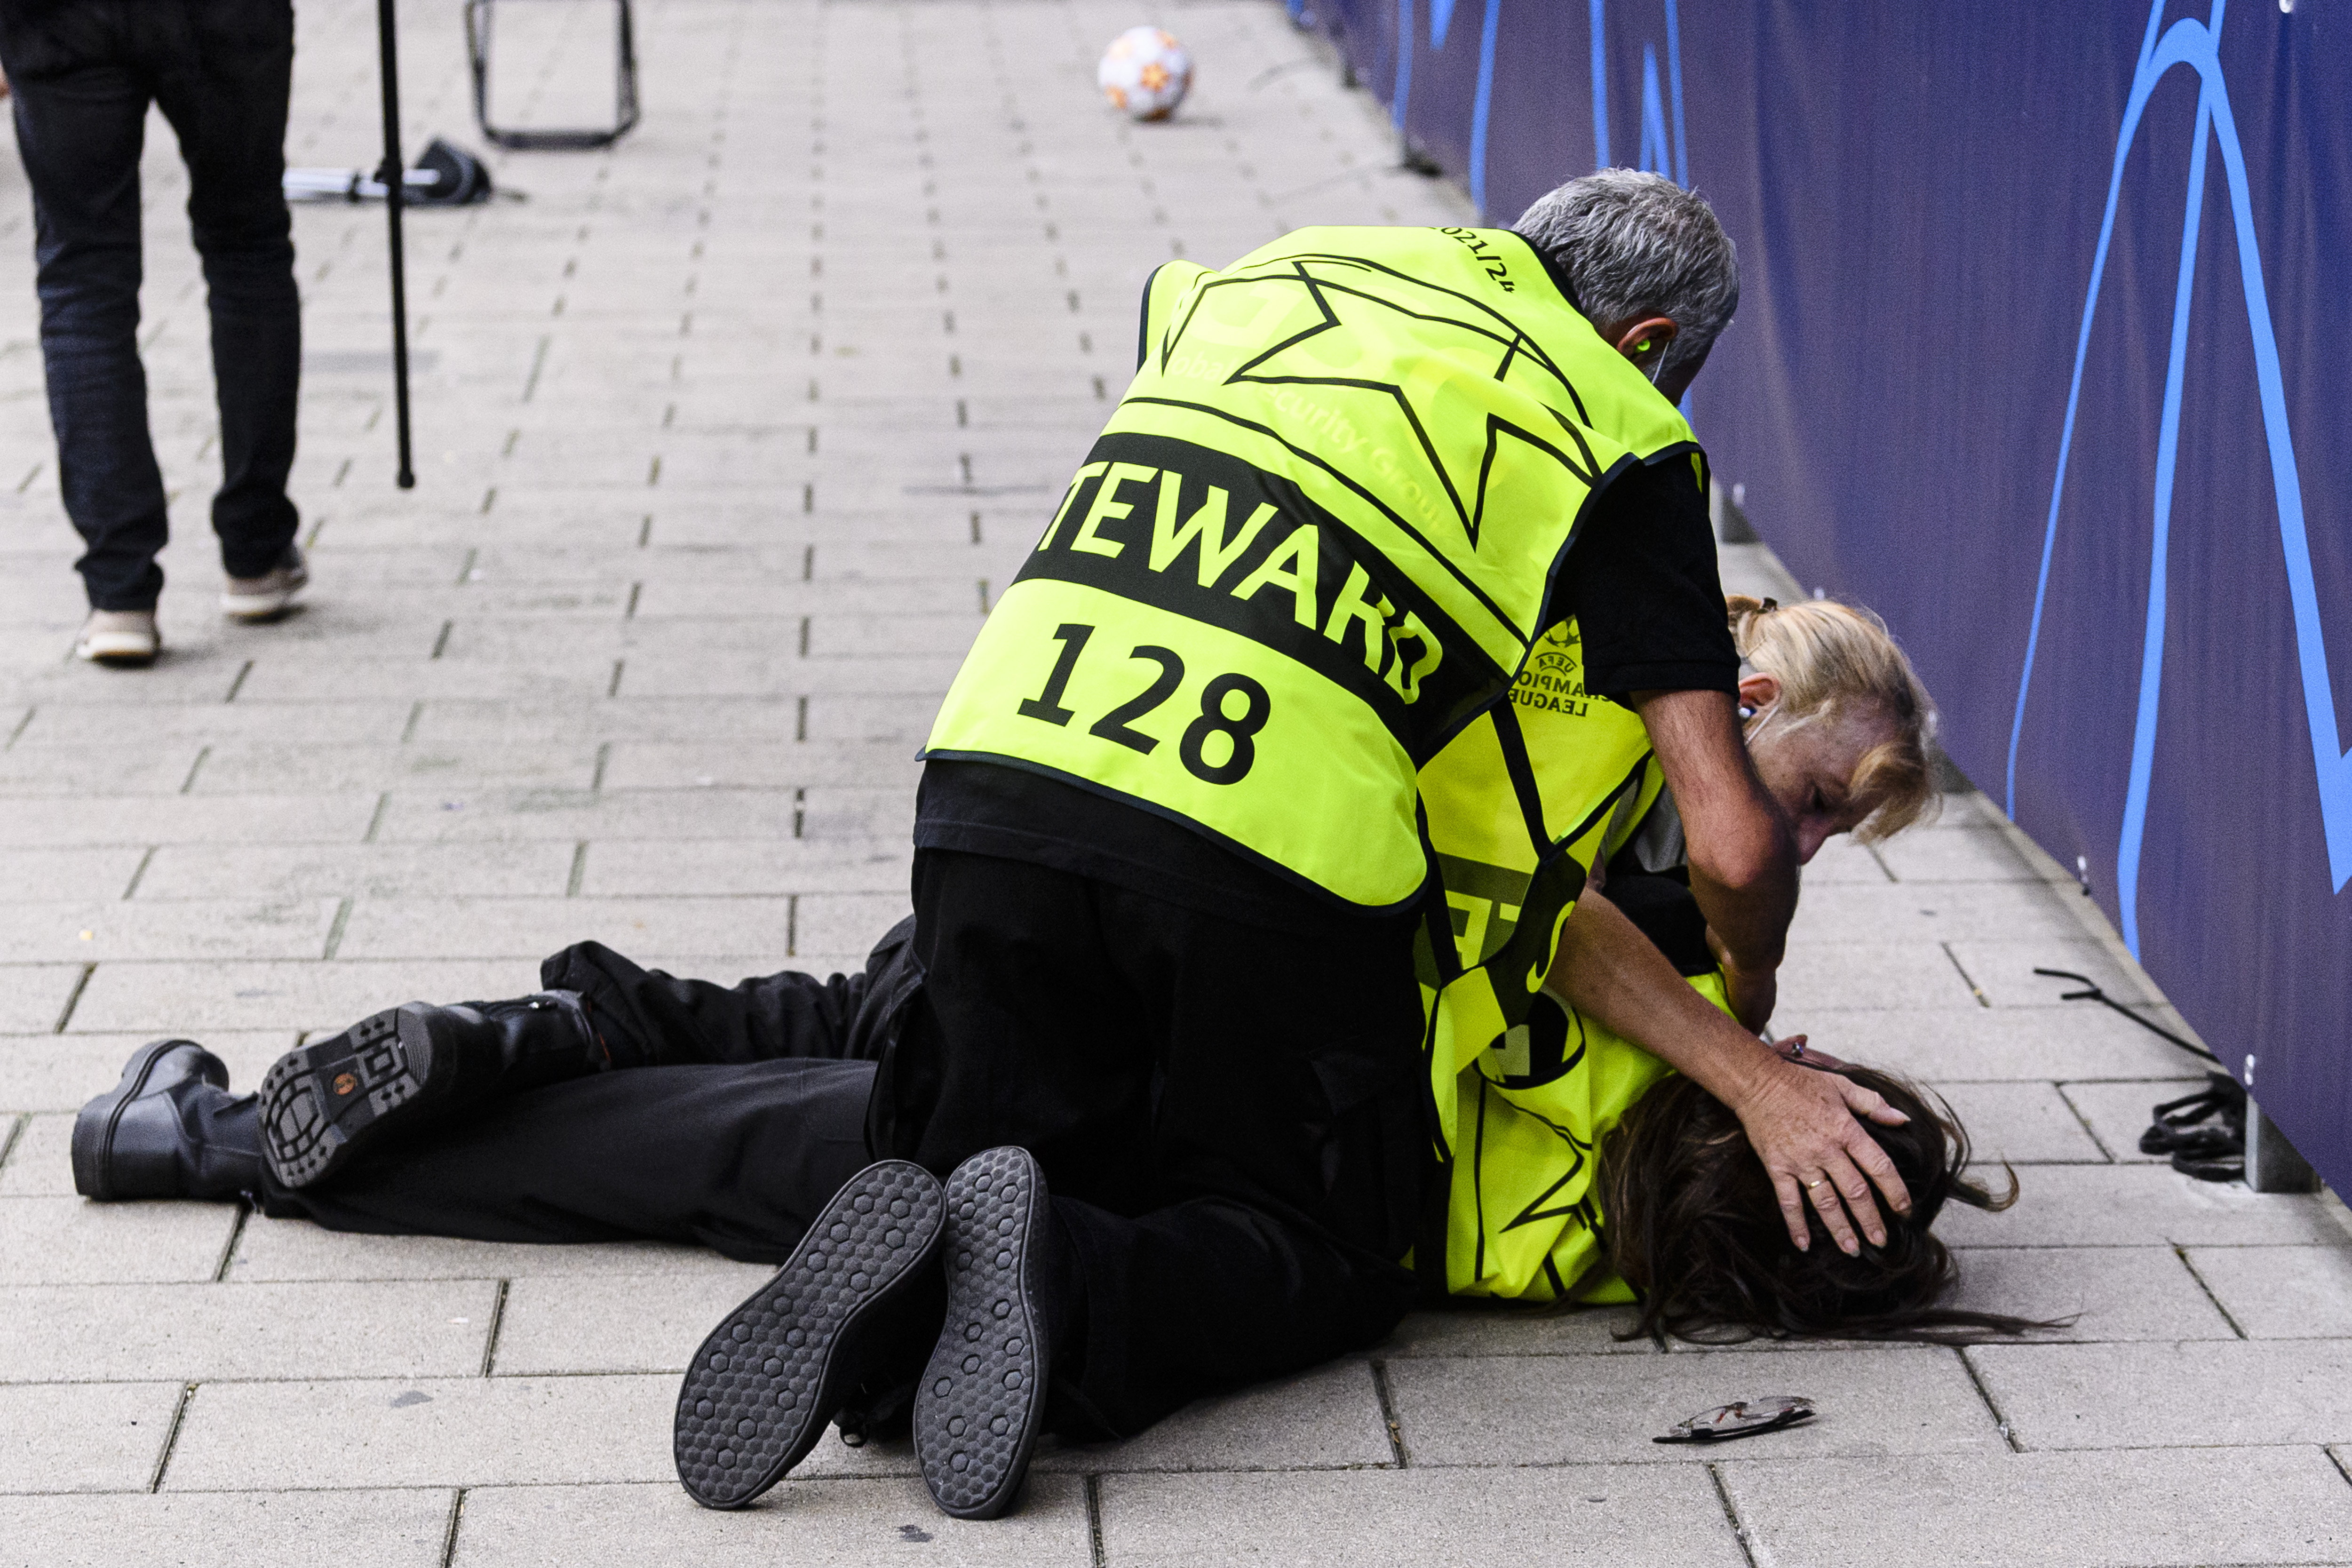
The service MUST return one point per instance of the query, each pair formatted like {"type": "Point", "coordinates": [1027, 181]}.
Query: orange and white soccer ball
{"type": "Point", "coordinates": [1145, 72]}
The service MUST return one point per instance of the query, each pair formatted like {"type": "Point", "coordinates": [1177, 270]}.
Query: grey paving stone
{"type": "Point", "coordinates": [755, 675]}
{"type": "Point", "coordinates": [2137, 1206]}
{"type": "Point", "coordinates": [2218, 1393]}
{"type": "Point", "coordinates": [474, 815]}
{"type": "Point", "coordinates": [186, 819]}
{"type": "Point", "coordinates": [36, 1165]}
{"type": "Point", "coordinates": [115, 1333]}
{"type": "Point", "coordinates": [269, 1436]}
{"type": "Point", "coordinates": [296, 1249]}
{"type": "Point", "coordinates": [96, 929]}
{"type": "Point", "coordinates": [1326, 1419]}
{"type": "Point", "coordinates": [45, 875]}
{"type": "Point", "coordinates": [346, 870]}
{"type": "Point", "coordinates": [67, 1241]}
{"type": "Point", "coordinates": [2282, 1292]}
{"type": "Point", "coordinates": [286, 680]}
{"type": "Point", "coordinates": [191, 999]}
{"type": "Point", "coordinates": [2027, 1123]}
{"type": "Point", "coordinates": [617, 866]}
{"type": "Point", "coordinates": [1501, 1410]}
{"type": "Point", "coordinates": [2152, 1509]}
{"type": "Point", "coordinates": [2110, 1292]}
{"type": "Point", "coordinates": [1912, 974]}
{"type": "Point", "coordinates": [1969, 1044]}
{"type": "Point", "coordinates": [621, 1323]}
{"type": "Point", "coordinates": [758, 929]}
{"type": "Point", "coordinates": [1864, 912]}
{"type": "Point", "coordinates": [1583, 1514]}
{"type": "Point", "coordinates": [1503, 1329]}
{"type": "Point", "coordinates": [384, 1530]}
{"type": "Point", "coordinates": [1841, 862]}
{"type": "Point", "coordinates": [147, 768]}
{"type": "Point", "coordinates": [59, 1072]}
{"type": "Point", "coordinates": [2004, 971]}
{"type": "Point", "coordinates": [737, 763]}
{"type": "Point", "coordinates": [1955, 853]}
{"type": "Point", "coordinates": [2119, 1111]}
{"type": "Point", "coordinates": [34, 996]}
{"type": "Point", "coordinates": [71, 1438]}
{"type": "Point", "coordinates": [827, 1521]}
{"type": "Point", "coordinates": [323, 723]}
{"type": "Point", "coordinates": [488, 724]}
{"type": "Point", "coordinates": [244, 769]}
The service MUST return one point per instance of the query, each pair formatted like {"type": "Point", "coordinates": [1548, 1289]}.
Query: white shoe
{"type": "Point", "coordinates": [125, 640]}
{"type": "Point", "coordinates": [266, 597]}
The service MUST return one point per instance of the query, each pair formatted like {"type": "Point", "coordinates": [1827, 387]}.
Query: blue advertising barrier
{"type": "Point", "coordinates": [2043, 314]}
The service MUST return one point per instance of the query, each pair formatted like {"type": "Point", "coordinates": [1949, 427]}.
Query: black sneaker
{"type": "Point", "coordinates": [757, 1394]}
{"type": "Point", "coordinates": [981, 1402]}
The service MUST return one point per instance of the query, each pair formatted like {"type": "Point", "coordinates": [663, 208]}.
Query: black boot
{"type": "Point", "coordinates": [1012, 1295]}
{"type": "Point", "coordinates": [170, 1130]}
{"type": "Point", "coordinates": [848, 1304]}
{"type": "Point", "coordinates": [413, 1067]}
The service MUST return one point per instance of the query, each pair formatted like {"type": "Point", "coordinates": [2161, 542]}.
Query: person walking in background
{"type": "Point", "coordinates": [83, 74]}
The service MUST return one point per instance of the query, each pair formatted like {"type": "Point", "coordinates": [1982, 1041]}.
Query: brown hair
{"type": "Point", "coordinates": [1829, 656]}
{"type": "Point", "coordinates": [1695, 1228]}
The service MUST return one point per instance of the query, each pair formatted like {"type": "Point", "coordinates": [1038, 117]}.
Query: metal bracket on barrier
{"type": "Point", "coordinates": [624, 87]}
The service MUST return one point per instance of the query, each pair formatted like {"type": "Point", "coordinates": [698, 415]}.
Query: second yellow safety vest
{"type": "Point", "coordinates": [1520, 807]}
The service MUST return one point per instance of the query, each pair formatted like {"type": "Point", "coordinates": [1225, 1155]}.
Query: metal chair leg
{"type": "Point", "coordinates": [478, 25]}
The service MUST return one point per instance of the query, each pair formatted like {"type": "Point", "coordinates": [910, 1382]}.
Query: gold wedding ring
{"type": "Point", "coordinates": [1816, 1182]}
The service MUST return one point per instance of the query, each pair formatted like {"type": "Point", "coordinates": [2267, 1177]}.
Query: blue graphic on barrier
{"type": "Point", "coordinates": [1479, 110]}
{"type": "Point", "coordinates": [2197, 45]}
{"type": "Point", "coordinates": [1658, 154]}
{"type": "Point", "coordinates": [1403, 93]}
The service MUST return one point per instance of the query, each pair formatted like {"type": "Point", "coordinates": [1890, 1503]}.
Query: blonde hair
{"type": "Point", "coordinates": [1829, 657]}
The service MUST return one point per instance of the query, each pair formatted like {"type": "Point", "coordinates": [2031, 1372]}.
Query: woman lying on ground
{"type": "Point", "coordinates": [741, 1122]}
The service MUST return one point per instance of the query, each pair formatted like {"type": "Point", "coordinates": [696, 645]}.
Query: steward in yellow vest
{"type": "Point", "coordinates": [1320, 535]}
{"type": "Point", "coordinates": [1170, 861]}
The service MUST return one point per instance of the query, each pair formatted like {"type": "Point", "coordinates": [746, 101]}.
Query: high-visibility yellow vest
{"type": "Point", "coordinates": [1318, 537]}
{"type": "Point", "coordinates": [1521, 805]}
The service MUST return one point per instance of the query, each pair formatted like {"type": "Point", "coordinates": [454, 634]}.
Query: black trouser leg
{"type": "Point", "coordinates": [735, 1158]}
{"type": "Point", "coordinates": [80, 127]}
{"type": "Point", "coordinates": [223, 85]}
{"type": "Point", "coordinates": [1230, 1116]}
{"type": "Point", "coordinates": [646, 1016]}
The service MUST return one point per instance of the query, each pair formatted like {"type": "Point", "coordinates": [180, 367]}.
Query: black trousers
{"type": "Point", "coordinates": [1230, 1119]}
{"type": "Point", "coordinates": [741, 1110]}
{"type": "Point", "coordinates": [83, 73]}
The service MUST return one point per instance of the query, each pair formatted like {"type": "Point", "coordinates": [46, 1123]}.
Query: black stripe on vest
{"type": "Point", "coordinates": [1372, 632]}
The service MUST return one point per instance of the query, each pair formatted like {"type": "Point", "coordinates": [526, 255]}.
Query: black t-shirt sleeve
{"type": "Point", "coordinates": [1643, 583]}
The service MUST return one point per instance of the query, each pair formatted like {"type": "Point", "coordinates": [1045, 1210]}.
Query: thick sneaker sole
{"type": "Point", "coordinates": [324, 1104]}
{"type": "Point", "coordinates": [93, 1129]}
{"type": "Point", "coordinates": [266, 605]}
{"type": "Point", "coordinates": [116, 651]}
{"type": "Point", "coordinates": [761, 1389]}
{"type": "Point", "coordinates": [982, 1398]}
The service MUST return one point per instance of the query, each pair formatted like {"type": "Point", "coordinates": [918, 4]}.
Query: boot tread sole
{"type": "Point", "coordinates": [764, 1383]}
{"type": "Point", "coordinates": [978, 1407]}
{"type": "Point", "coordinates": [309, 1130]}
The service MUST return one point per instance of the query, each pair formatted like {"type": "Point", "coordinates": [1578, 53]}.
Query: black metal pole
{"type": "Point", "coordinates": [393, 173]}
